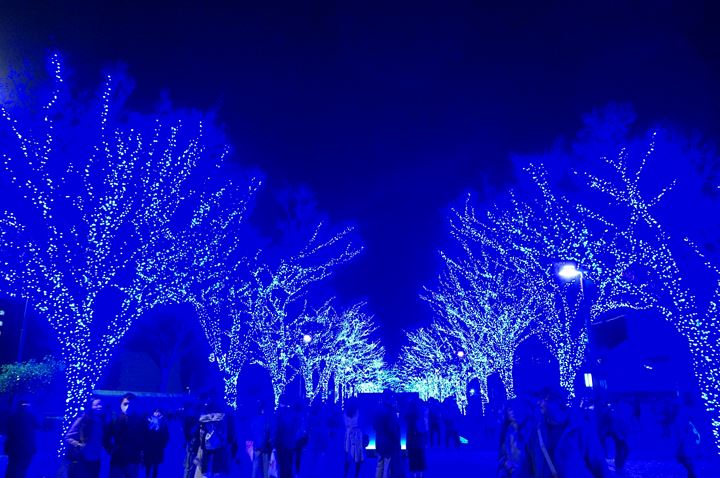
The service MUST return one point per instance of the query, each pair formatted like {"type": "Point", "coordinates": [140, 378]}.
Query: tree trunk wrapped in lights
{"type": "Point", "coordinates": [677, 297]}
{"type": "Point", "coordinates": [275, 303]}
{"type": "Point", "coordinates": [105, 222]}
{"type": "Point", "coordinates": [491, 306]}
{"type": "Point", "coordinates": [541, 234]}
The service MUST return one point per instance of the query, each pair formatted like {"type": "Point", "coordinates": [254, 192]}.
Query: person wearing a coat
{"type": "Point", "coordinates": [84, 442]}
{"type": "Point", "coordinates": [20, 444]}
{"type": "Point", "coordinates": [156, 440]}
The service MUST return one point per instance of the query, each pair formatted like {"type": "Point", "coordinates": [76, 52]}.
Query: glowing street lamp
{"type": "Point", "coordinates": [570, 272]}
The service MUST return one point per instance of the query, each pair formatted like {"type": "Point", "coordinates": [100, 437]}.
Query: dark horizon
{"type": "Point", "coordinates": [389, 114]}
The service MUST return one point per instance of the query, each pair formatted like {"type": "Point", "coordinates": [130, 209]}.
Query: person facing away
{"type": "Point", "coordinates": [260, 435]}
{"type": "Point", "coordinates": [387, 439]}
{"type": "Point", "coordinates": [302, 435]}
{"type": "Point", "coordinates": [191, 433]}
{"type": "Point", "coordinates": [217, 441]}
{"type": "Point", "coordinates": [84, 441]}
{"type": "Point", "coordinates": [512, 456]}
{"type": "Point", "coordinates": [354, 447]}
{"type": "Point", "coordinates": [284, 438]}
{"type": "Point", "coordinates": [562, 444]}
{"type": "Point", "coordinates": [156, 439]}
{"type": "Point", "coordinates": [123, 439]}
{"type": "Point", "coordinates": [20, 444]}
{"type": "Point", "coordinates": [417, 419]}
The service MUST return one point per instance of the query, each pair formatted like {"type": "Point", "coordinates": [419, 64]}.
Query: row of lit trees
{"type": "Point", "coordinates": [501, 283]}
{"type": "Point", "coordinates": [108, 215]}
{"type": "Point", "coordinates": [258, 313]}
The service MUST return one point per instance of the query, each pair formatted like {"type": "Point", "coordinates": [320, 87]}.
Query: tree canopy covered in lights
{"type": "Point", "coordinates": [490, 305]}
{"type": "Point", "coordinates": [261, 313]}
{"type": "Point", "coordinates": [342, 352]}
{"type": "Point", "coordinates": [108, 217]}
{"type": "Point", "coordinates": [689, 303]}
{"type": "Point", "coordinates": [431, 366]}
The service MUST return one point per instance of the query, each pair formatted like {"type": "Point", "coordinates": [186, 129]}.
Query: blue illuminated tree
{"type": "Point", "coordinates": [105, 219]}
{"type": "Point", "coordinates": [431, 365]}
{"type": "Point", "coordinates": [226, 322]}
{"type": "Point", "coordinates": [434, 364]}
{"type": "Point", "coordinates": [340, 350]}
{"type": "Point", "coordinates": [545, 231]}
{"type": "Point", "coordinates": [494, 303]}
{"type": "Point", "coordinates": [260, 314]}
{"type": "Point", "coordinates": [638, 249]}
{"type": "Point", "coordinates": [689, 305]}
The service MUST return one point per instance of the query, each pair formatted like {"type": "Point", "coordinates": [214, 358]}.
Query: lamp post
{"type": "Point", "coordinates": [306, 338]}
{"type": "Point", "coordinates": [569, 272]}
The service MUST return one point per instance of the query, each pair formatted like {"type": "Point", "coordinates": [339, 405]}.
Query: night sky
{"type": "Point", "coordinates": [391, 111]}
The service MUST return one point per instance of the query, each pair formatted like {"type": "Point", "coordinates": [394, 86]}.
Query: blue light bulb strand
{"type": "Point", "coordinates": [268, 307]}
{"type": "Point", "coordinates": [102, 206]}
{"type": "Point", "coordinates": [674, 296]}
{"type": "Point", "coordinates": [341, 350]}
{"type": "Point", "coordinates": [494, 304]}
{"type": "Point", "coordinates": [429, 365]}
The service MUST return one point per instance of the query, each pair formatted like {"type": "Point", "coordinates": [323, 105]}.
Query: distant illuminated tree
{"type": "Point", "coordinates": [493, 303]}
{"type": "Point", "coordinates": [100, 210]}
{"type": "Point", "coordinates": [433, 365]}
{"type": "Point", "coordinates": [338, 348]}
{"type": "Point", "coordinates": [356, 361]}
{"type": "Point", "coordinates": [274, 300]}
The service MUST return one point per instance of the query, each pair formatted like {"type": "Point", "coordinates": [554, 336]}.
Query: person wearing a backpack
{"type": "Point", "coordinates": [215, 438]}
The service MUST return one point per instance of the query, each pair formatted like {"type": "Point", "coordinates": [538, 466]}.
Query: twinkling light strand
{"type": "Point", "coordinates": [493, 303]}
{"type": "Point", "coordinates": [341, 349]}
{"type": "Point", "coordinates": [675, 297]}
{"type": "Point", "coordinates": [101, 208]}
{"type": "Point", "coordinates": [267, 305]}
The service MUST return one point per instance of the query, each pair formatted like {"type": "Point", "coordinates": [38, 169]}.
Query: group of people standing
{"type": "Point", "coordinates": [548, 437]}
{"type": "Point", "coordinates": [131, 439]}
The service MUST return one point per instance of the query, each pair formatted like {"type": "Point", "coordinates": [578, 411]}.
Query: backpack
{"type": "Point", "coordinates": [215, 430]}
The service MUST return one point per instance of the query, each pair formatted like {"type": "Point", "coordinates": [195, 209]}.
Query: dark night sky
{"type": "Point", "coordinates": [390, 111]}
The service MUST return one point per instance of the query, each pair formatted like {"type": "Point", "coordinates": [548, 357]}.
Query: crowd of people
{"type": "Point", "coordinates": [539, 437]}
{"type": "Point", "coordinates": [546, 436]}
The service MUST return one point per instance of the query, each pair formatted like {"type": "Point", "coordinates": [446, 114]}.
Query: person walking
{"type": "Point", "coordinates": [387, 439]}
{"type": "Point", "coordinates": [512, 456]}
{"type": "Point", "coordinates": [156, 439]}
{"type": "Point", "coordinates": [84, 441]}
{"type": "Point", "coordinates": [217, 441]}
{"type": "Point", "coordinates": [285, 438]}
{"type": "Point", "coordinates": [260, 435]}
{"type": "Point", "coordinates": [20, 444]}
{"type": "Point", "coordinates": [191, 433]}
{"type": "Point", "coordinates": [354, 446]}
{"type": "Point", "coordinates": [417, 434]}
